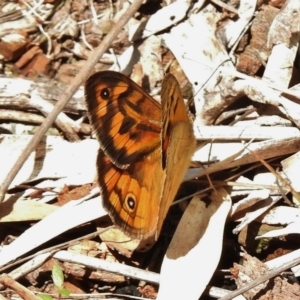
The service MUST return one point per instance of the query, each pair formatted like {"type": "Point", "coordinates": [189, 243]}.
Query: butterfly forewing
{"type": "Point", "coordinates": [127, 121]}
{"type": "Point", "coordinates": [178, 142]}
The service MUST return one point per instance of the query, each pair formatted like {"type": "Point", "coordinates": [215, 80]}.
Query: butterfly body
{"type": "Point", "coordinates": [145, 149]}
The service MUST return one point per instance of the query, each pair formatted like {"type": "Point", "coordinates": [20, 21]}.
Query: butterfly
{"type": "Point", "coordinates": [145, 149]}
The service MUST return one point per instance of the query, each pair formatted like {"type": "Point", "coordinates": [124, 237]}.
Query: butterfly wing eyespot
{"type": "Point", "coordinates": [104, 94]}
{"type": "Point", "coordinates": [130, 202]}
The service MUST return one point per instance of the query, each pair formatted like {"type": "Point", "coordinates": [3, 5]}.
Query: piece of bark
{"type": "Point", "coordinates": [282, 289]}
{"type": "Point", "coordinates": [12, 46]}
{"type": "Point", "coordinates": [257, 52]}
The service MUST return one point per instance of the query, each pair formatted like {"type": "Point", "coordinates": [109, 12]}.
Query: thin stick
{"type": "Point", "coordinates": [65, 97]}
{"type": "Point", "coordinates": [22, 291]}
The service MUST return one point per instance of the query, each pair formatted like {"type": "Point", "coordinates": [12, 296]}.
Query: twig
{"type": "Point", "coordinates": [109, 266]}
{"type": "Point", "coordinates": [28, 267]}
{"type": "Point", "coordinates": [94, 14]}
{"type": "Point", "coordinates": [64, 98]}
{"type": "Point", "coordinates": [49, 48]}
{"type": "Point", "coordinates": [54, 249]}
{"type": "Point", "coordinates": [226, 6]}
{"type": "Point", "coordinates": [84, 39]}
{"type": "Point", "coordinates": [23, 292]}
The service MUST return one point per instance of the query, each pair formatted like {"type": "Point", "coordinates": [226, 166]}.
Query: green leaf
{"type": "Point", "coordinates": [58, 276]}
{"type": "Point", "coordinates": [64, 292]}
{"type": "Point", "coordinates": [44, 297]}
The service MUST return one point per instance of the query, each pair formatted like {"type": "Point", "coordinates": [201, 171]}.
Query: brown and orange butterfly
{"type": "Point", "coordinates": [145, 149]}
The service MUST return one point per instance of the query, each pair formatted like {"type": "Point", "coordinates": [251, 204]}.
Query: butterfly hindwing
{"type": "Point", "coordinates": [126, 197]}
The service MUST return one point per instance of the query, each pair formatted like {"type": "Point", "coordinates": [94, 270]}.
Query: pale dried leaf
{"type": "Point", "coordinates": [253, 198]}
{"type": "Point", "coordinates": [198, 238]}
{"type": "Point", "coordinates": [279, 69]}
{"type": "Point", "coordinates": [242, 133]}
{"type": "Point", "coordinates": [54, 158]}
{"type": "Point", "coordinates": [239, 154]}
{"type": "Point", "coordinates": [162, 19]}
{"type": "Point", "coordinates": [289, 216]}
{"type": "Point", "coordinates": [234, 29]}
{"type": "Point", "coordinates": [207, 56]}
{"type": "Point", "coordinates": [282, 215]}
{"type": "Point", "coordinates": [124, 62]}
{"type": "Point", "coordinates": [292, 228]}
{"type": "Point", "coordinates": [72, 214]}
{"type": "Point", "coordinates": [150, 60]}
{"type": "Point", "coordinates": [24, 210]}
{"type": "Point", "coordinates": [290, 168]}
{"type": "Point", "coordinates": [285, 24]}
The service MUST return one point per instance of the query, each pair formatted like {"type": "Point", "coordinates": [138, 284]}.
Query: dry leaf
{"type": "Point", "coordinates": [195, 249]}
